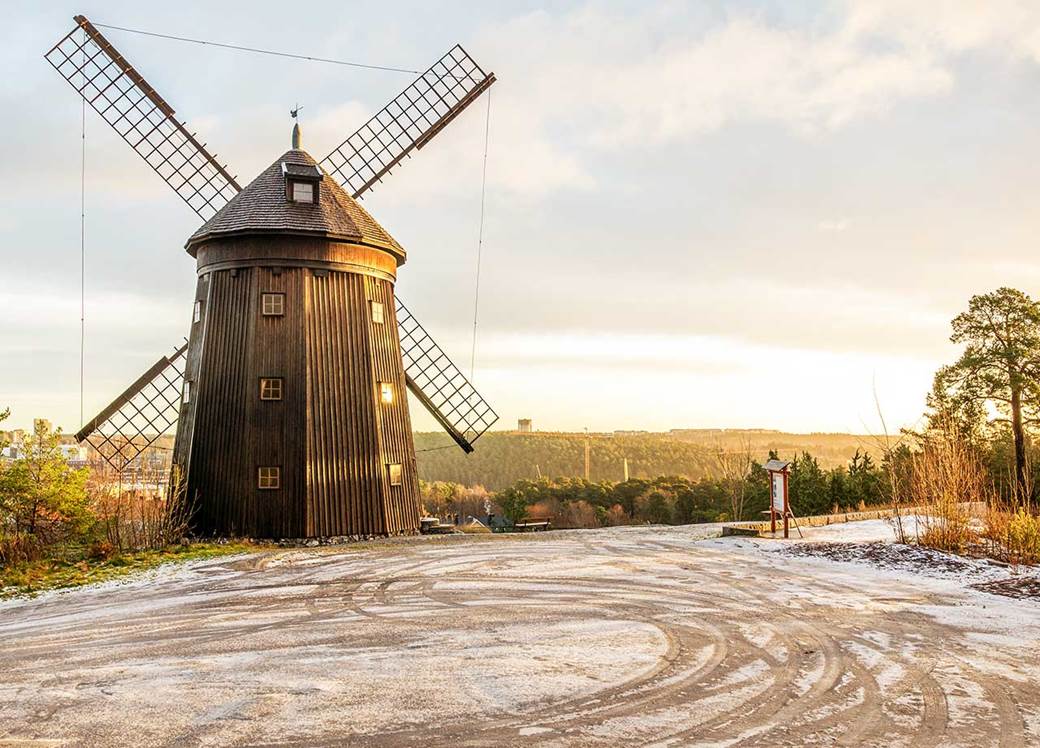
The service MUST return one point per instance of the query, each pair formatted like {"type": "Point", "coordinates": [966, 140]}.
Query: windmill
{"type": "Point", "coordinates": [288, 398]}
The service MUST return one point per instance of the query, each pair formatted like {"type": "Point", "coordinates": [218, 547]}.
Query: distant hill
{"type": "Point", "coordinates": [832, 450]}
{"type": "Point", "coordinates": [503, 457]}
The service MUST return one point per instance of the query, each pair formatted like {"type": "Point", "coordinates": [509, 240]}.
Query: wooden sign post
{"type": "Point", "coordinates": [779, 501]}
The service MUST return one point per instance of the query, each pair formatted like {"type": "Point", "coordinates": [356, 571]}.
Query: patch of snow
{"type": "Point", "coordinates": [533, 730]}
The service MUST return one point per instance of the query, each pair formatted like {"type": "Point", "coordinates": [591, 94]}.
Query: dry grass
{"type": "Point", "coordinates": [1012, 534]}
{"type": "Point", "coordinates": [946, 477]}
{"type": "Point", "coordinates": [29, 578]}
{"type": "Point", "coordinates": [947, 480]}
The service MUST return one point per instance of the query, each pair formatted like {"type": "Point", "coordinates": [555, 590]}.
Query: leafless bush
{"type": "Point", "coordinates": [946, 476]}
{"type": "Point", "coordinates": [577, 514]}
{"type": "Point", "coordinates": [542, 510]}
{"type": "Point", "coordinates": [18, 547]}
{"type": "Point", "coordinates": [617, 516]}
{"type": "Point", "coordinates": [899, 478]}
{"type": "Point", "coordinates": [133, 521]}
{"type": "Point", "coordinates": [733, 467]}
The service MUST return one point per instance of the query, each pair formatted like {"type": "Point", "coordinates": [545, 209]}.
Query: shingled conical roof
{"type": "Point", "coordinates": [262, 208]}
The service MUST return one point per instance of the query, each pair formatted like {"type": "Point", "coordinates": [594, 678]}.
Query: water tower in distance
{"type": "Point", "coordinates": [523, 425]}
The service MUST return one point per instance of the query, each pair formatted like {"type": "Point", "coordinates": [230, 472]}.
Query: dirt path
{"type": "Point", "coordinates": [625, 636]}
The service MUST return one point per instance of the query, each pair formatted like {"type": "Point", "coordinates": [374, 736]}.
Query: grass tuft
{"type": "Point", "coordinates": [32, 577]}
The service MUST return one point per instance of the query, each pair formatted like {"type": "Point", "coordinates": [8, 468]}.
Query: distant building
{"type": "Point", "coordinates": [523, 425]}
{"type": "Point", "coordinates": [75, 455]}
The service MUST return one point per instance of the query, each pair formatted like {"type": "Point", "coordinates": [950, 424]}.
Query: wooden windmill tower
{"type": "Point", "coordinates": [289, 397]}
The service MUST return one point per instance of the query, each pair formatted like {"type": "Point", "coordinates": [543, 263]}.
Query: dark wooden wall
{"type": "Point", "coordinates": [395, 426]}
{"type": "Point", "coordinates": [330, 435]}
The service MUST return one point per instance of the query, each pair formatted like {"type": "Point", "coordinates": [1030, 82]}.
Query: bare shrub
{"type": "Point", "coordinates": [548, 509]}
{"type": "Point", "coordinates": [19, 547]}
{"type": "Point", "coordinates": [945, 476]}
{"type": "Point", "coordinates": [134, 521]}
{"type": "Point", "coordinates": [734, 466]}
{"type": "Point", "coordinates": [577, 514]}
{"type": "Point", "coordinates": [616, 516]}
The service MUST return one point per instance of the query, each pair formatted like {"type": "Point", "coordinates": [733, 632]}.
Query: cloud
{"type": "Point", "coordinates": [1010, 28]}
{"type": "Point", "coordinates": [574, 85]}
{"type": "Point", "coordinates": [832, 226]}
{"type": "Point", "coordinates": [524, 162]}
{"type": "Point", "coordinates": [610, 88]}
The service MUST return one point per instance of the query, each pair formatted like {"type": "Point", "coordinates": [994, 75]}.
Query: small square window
{"type": "Point", "coordinates": [186, 397]}
{"type": "Point", "coordinates": [386, 392]}
{"type": "Point", "coordinates": [271, 388]}
{"type": "Point", "coordinates": [272, 304]}
{"type": "Point", "coordinates": [197, 313]}
{"type": "Point", "coordinates": [393, 470]}
{"type": "Point", "coordinates": [269, 478]}
{"type": "Point", "coordinates": [302, 192]}
{"type": "Point", "coordinates": [377, 313]}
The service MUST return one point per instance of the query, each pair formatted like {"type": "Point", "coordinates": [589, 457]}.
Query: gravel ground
{"type": "Point", "coordinates": [619, 636]}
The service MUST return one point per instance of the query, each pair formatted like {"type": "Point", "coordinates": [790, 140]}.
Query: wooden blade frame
{"type": "Point", "coordinates": [124, 99]}
{"type": "Point", "coordinates": [136, 419]}
{"type": "Point", "coordinates": [408, 122]}
{"type": "Point", "coordinates": [115, 90]}
{"type": "Point", "coordinates": [440, 386]}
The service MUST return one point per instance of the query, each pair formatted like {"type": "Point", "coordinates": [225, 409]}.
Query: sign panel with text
{"type": "Point", "coordinates": [778, 492]}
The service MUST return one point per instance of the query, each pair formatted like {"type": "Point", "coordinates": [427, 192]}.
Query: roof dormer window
{"type": "Point", "coordinates": [302, 192]}
{"type": "Point", "coordinates": [302, 182]}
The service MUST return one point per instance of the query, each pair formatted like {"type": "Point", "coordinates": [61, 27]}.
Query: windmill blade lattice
{"type": "Point", "coordinates": [135, 420]}
{"type": "Point", "coordinates": [408, 122]}
{"type": "Point", "coordinates": [125, 100]}
{"type": "Point", "coordinates": [439, 385]}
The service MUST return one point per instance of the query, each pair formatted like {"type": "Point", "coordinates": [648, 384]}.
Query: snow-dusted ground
{"type": "Point", "coordinates": [619, 636]}
{"type": "Point", "coordinates": [865, 531]}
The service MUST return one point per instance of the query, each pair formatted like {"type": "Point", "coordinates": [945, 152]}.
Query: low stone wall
{"type": "Point", "coordinates": [761, 529]}
{"type": "Point", "coordinates": [758, 529]}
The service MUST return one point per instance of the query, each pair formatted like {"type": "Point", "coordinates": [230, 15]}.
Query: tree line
{"type": "Point", "coordinates": [676, 500]}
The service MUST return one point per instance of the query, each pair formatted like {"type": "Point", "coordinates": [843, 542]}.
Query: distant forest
{"type": "Point", "coordinates": [503, 458]}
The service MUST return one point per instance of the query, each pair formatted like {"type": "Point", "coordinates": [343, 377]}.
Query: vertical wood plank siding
{"type": "Point", "coordinates": [395, 428]}
{"type": "Point", "coordinates": [193, 363]}
{"type": "Point", "coordinates": [331, 435]}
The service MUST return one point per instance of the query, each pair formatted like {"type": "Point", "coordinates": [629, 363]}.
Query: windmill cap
{"type": "Point", "coordinates": [262, 208]}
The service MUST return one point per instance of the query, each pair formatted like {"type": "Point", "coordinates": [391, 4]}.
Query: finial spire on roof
{"type": "Point", "coordinates": [294, 113]}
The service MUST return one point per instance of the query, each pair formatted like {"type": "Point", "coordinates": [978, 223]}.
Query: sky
{"type": "Point", "coordinates": [698, 215]}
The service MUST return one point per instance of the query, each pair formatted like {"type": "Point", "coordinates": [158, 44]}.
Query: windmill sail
{"type": "Point", "coordinates": [124, 99]}
{"type": "Point", "coordinates": [408, 122]}
{"type": "Point", "coordinates": [135, 420]}
{"type": "Point", "coordinates": [439, 385]}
